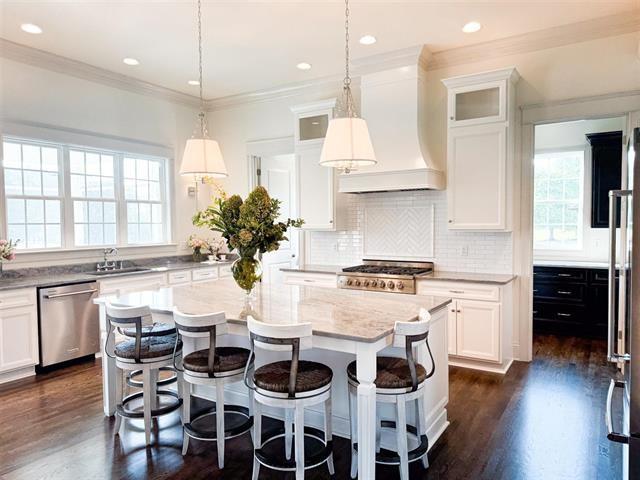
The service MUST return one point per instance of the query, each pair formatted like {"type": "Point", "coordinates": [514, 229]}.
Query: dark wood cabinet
{"type": "Point", "coordinates": [606, 168]}
{"type": "Point", "coordinates": [570, 301]}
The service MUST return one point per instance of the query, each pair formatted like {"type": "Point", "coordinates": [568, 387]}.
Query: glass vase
{"type": "Point", "coordinates": [247, 271]}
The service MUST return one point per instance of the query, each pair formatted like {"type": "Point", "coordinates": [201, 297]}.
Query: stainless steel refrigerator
{"type": "Point", "coordinates": [624, 311]}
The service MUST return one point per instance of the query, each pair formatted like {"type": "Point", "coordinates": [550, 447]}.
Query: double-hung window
{"type": "Point", "coordinates": [62, 196]}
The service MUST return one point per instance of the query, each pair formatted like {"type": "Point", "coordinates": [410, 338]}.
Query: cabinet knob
{"type": "Point", "coordinates": [450, 118]}
{"type": "Point", "coordinates": [330, 221]}
{"type": "Point", "coordinates": [450, 221]}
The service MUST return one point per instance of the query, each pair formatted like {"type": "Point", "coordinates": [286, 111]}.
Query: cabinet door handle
{"type": "Point", "coordinates": [564, 292]}
{"type": "Point", "coordinates": [535, 290]}
{"type": "Point", "coordinates": [564, 314]}
{"type": "Point", "coordinates": [456, 291]}
{"type": "Point", "coordinates": [564, 275]}
{"type": "Point", "coordinates": [534, 312]}
{"type": "Point", "coordinates": [309, 281]}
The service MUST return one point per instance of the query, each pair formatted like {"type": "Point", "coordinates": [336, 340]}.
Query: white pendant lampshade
{"type": "Point", "coordinates": [347, 144]}
{"type": "Point", "coordinates": [202, 157]}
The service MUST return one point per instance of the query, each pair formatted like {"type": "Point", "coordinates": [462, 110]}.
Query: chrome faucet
{"type": "Point", "coordinates": [106, 264]}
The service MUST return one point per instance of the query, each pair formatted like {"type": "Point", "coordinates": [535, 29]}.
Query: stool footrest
{"type": "Point", "coordinates": [387, 457]}
{"type": "Point", "coordinates": [316, 450]}
{"type": "Point", "coordinates": [132, 382]}
{"type": "Point", "coordinates": [192, 430]}
{"type": "Point", "coordinates": [156, 412]}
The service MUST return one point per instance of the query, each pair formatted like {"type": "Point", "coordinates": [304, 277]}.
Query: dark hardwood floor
{"type": "Point", "coordinates": [543, 420]}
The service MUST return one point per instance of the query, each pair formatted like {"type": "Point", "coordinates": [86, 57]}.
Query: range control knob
{"type": "Point", "coordinates": [381, 284]}
{"type": "Point", "coordinates": [357, 283]}
{"type": "Point", "coordinates": [349, 282]}
{"type": "Point", "coordinates": [374, 283]}
{"type": "Point", "coordinates": [365, 283]}
{"type": "Point", "coordinates": [400, 285]}
{"type": "Point", "coordinates": [391, 285]}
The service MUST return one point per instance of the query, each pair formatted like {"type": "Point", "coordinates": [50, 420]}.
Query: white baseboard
{"type": "Point", "coordinates": [500, 368]}
{"type": "Point", "coordinates": [17, 374]}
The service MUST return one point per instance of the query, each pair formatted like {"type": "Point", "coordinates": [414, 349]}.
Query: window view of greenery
{"type": "Point", "coordinates": [558, 200]}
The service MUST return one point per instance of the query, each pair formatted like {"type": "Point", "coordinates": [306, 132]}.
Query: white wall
{"type": "Point", "coordinates": [34, 95]}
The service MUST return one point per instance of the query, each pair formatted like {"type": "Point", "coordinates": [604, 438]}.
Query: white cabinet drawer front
{"type": "Point", "coordinates": [328, 280]}
{"type": "Point", "coordinates": [17, 298]}
{"type": "Point", "coordinates": [462, 290]}
{"type": "Point", "coordinates": [139, 283]}
{"type": "Point", "coordinates": [18, 337]}
{"type": "Point", "coordinates": [179, 277]}
{"type": "Point", "coordinates": [204, 274]}
{"type": "Point", "coordinates": [224, 271]}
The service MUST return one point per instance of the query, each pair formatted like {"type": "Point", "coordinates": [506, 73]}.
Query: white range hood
{"type": "Point", "coordinates": [393, 104]}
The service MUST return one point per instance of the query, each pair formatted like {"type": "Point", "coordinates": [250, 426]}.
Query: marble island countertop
{"type": "Point", "coordinates": [471, 277]}
{"type": "Point", "coordinates": [345, 314]}
{"type": "Point", "coordinates": [61, 275]}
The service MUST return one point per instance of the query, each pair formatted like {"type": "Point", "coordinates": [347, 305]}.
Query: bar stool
{"type": "Point", "coordinates": [149, 354]}
{"type": "Point", "coordinates": [214, 366]}
{"type": "Point", "coordinates": [398, 380]}
{"type": "Point", "coordinates": [292, 385]}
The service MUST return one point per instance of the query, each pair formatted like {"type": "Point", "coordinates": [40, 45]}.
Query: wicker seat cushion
{"type": "Point", "coordinates": [156, 330]}
{"type": "Point", "coordinates": [229, 359]}
{"type": "Point", "coordinates": [150, 347]}
{"type": "Point", "coordinates": [392, 372]}
{"type": "Point", "coordinates": [274, 377]}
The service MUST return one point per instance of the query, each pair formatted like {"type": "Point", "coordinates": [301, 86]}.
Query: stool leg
{"type": "Point", "coordinates": [401, 433]}
{"type": "Point", "coordinates": [288, 432]}
{"type": "Point", "coordinates": [119, 397]}
{"type": "Point", "coordinates": [378, 431]}
{"type": "Point", "coordinates": [257, 436]}
{"type": "Point", "coordinates": [180, 388]}
{"type": "Point", "coordinates": [354, 432]}
{"type": "Point", "coordinates": [220, 422]}
{"type": "Point", "coordinates": [328, 433]}
{"type": "Point", "coordinates": [155, 374]}
{"type": "Point", "coordinates": [186, 403]}
{"type": "Point", "coordinates": [422, 426]}
{"type": "Point", "coordinates": [299, 438]}
{"type": "Point", "coordinates": [147, 391]}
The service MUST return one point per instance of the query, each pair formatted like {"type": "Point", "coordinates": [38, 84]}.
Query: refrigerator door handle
{"type": "Point", "coordinates": [611, 435]}
{"type": "Point", "coordinates": [612, 355]}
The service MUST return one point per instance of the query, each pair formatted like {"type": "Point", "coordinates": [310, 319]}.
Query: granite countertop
{"type": "Point", "coordinates": [346, 314]}
{"type": "Point", "coordinates": [570, 264]}
{"type": "Point", "coordinates": [61, 275]}
{"type": "Point", "coordinates": [471, 277]}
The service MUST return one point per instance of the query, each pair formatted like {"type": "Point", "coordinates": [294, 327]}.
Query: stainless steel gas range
{"type": "Point", "coordinates": [384, 276]}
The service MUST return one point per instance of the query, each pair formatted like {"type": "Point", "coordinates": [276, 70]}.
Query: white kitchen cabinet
{"type": "Point", "coordinates": [480, 150]}
{"type": "Point", "coordinates": [478, 330]}
{"type": "Point", "coordinates": [452, 335]}
{"type": "Point", "coordinates": [181, 277]}
{"type": "Point", "coordinates": [18, 333]}
{"type": "Point", "coordinates": [204, 274]}
{"type": "Point", "coordinates": [133, 283]}
{"type": "Point", "coordinates": [310, 279]}
{"type": "Point", "coordinates": [319, 203]}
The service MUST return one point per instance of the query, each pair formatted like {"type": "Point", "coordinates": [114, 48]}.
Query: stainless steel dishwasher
{"type": "Point", "coordinates": [69, 324]}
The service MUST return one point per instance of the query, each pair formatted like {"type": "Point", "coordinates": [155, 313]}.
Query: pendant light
{"type": "Point", "coordinates": [347, 145]}
{"type": "Point", "coordinates": [202, 156]}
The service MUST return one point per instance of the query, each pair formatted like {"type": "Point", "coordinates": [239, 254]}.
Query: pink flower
{"type": "Point", "coordinates": [12, 256]}
{"type": "Point", "coordinates": [3, 242]}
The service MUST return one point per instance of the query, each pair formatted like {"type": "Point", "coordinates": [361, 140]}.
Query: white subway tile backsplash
{"type": "Point", "coordinates": [378, 228]}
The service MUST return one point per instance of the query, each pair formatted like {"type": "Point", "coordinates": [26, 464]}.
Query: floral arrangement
{"type": "Point", "coordinates": [250, 227]}
{"type": "Point", "coordinates": [200, 247]}
{"type": "Point", "coordinates": [216, 245]}
{"type": "Point", "coordinates": [7, 248]}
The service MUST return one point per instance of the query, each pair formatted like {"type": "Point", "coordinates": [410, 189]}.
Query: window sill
{"type": "Point", "coordinates": [121, 249]}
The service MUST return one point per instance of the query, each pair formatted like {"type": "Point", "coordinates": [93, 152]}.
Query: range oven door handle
{"type": "Point", "coordinates": [611, 434]}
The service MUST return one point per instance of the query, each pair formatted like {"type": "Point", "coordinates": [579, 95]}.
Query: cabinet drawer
{"type": "Point", "coordinates": [17, 298]}
{"type": "Point", "coordinates": [224, 271]}
{"type": "Point", "coordinates": [327, 280]}
{"type": "Point", "coordinates": [559, 313]}
{"type": "Point", "coordinates": [559, 291]}
{"type": "Point", "coordinates": [558, 273]}
{"type": "Point", "coordinates": [204, 274]}
{"type": "Point", "coordinates": [600, 275]}
{"type": "Point", "coordinates": [183, 276]}
{"type": "Point", "coordinates": [461, 290]}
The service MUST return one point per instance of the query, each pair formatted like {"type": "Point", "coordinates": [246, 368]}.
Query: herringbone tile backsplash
{"type": "Point", "coordinates": [410, 225]}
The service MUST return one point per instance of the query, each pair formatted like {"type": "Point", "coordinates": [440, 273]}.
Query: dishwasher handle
{"type": "Point", "coordinates": [611, 434]}
{"type": "Point", "coordinates": [71, 294]}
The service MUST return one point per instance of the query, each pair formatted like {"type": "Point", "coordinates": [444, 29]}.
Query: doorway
{"type": "Point", "coordinates": [274, 167]}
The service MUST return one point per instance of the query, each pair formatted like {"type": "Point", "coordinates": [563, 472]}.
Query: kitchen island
{"type": "Point", "coordinates": [346, 324]}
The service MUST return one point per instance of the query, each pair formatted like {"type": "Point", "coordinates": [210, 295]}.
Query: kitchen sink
{"type": "Point", "coordinates": [120, 271]}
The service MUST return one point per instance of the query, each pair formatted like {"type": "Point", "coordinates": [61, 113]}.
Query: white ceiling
{"type": "Point", "coordinates": [254, 45]}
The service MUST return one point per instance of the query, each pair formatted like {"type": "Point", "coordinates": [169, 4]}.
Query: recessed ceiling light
{"type": "Point", "coordinates": [471, 27]}
{"type": "Point", "coordinates": [368, 40]}
{"type": "Point", "coordinates": [195, 83]}
{"type": "Point", "coordinates": [303, 66]}
{"type": "Point", "coordinates": [31, 28]}
{"type": "Point", "coordinates": [130, 61]}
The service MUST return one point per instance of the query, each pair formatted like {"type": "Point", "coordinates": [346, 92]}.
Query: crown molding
{"type": "Point", "coordinates": [594, 29]}
{"type": "Point", "coordinates": [56, 63]}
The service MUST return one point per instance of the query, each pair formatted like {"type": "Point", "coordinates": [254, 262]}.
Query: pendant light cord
{"type": "Point", "coordinates": [348, 99]}
{"type": "Point", "coordinates": [203, 125]}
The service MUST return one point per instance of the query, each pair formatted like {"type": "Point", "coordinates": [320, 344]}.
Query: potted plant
{"type": "Point", "coordinates": [199, 246]}
{"type": "Point", "coordinates": [7, 252]}
{"type": "Point", "coordinates": [250, 227]}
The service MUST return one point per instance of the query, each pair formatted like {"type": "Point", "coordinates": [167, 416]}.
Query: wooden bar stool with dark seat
{"type": "Point", "coordinates": [292, 385]}
{"type": "Point", "coordinates": [398, 380]}
{"type": "Point", "coordinates": [146, 353]}
{"type": "Point", "coordinates": [214, 366]}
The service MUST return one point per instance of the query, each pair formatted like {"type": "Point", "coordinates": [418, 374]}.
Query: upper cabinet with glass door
{"type": "Point", "coordinates": [479, 98]}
